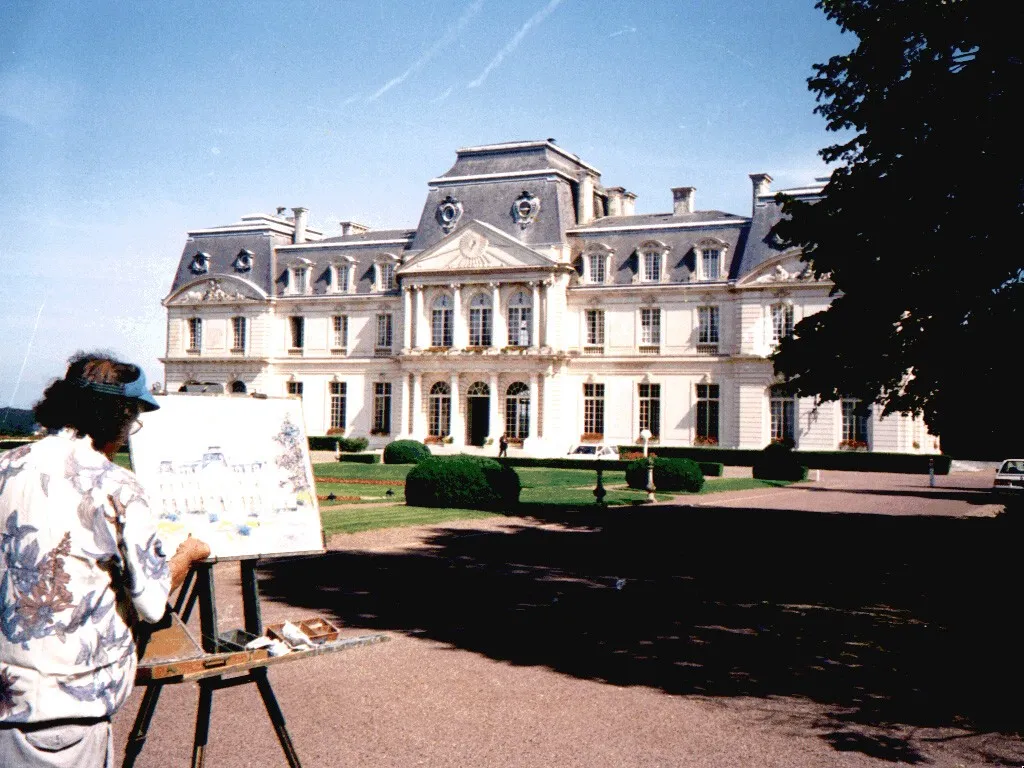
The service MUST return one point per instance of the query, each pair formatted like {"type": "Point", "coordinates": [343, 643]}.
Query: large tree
{"type": "Point", "coordinates": [920, 224]}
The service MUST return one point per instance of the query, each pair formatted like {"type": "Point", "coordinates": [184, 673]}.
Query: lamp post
{"type": "Point", "coordinates": [645, 435]}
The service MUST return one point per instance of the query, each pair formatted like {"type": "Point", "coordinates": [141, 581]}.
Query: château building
{"type": "Point", "coordinates": [529, 300]}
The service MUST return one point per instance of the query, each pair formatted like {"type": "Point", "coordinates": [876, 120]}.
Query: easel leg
{"type": "Point", "coordinates": [276, 716]}
{"type": "Point", "coordinates": [251, 598]}
{"type": "Point", "coordinates": [137, 738]}
{"type": "Point", "coordinates": [202, 724]}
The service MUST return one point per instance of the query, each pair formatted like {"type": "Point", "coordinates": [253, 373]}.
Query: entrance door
{"type": "Point", "coordinates": [478, 413]}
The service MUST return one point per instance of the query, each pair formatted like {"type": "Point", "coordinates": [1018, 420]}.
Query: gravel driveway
{"type": "Point", "coordinates": [860, 620]}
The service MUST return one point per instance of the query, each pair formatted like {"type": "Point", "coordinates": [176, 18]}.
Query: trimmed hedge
{"type": "Point", "coordinates": [405, 452]}
{"type": "Point", "coordinates": [851, 461]}
{"type": "Point", "coordinates": [707, 468]}
{"type": "Point", "coordinates": [465, 482]}
{"type": "Point", "coordinates": [779, 462]}
{"type": "Point", "coordinates": [359, 458]}
{"type": "Point", "coordinates": [669, 475]}
{"type": "Point", "coordinates": [333, 442]}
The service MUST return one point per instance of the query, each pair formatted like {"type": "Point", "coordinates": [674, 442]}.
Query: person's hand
{"type": "Point", "coordinates": [193, 549]}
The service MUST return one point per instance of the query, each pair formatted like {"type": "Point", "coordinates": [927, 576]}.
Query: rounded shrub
{"type": "Point", "coordinates": [466, 482]}
{"type": "Point", "coordinates": [405, 452]}
{"type": "Point", "coordinates": [669, 475]}
{"type": "Point", "coordinates": [352, 444]}
{"type": "Point", "coordinates": [778, 462]}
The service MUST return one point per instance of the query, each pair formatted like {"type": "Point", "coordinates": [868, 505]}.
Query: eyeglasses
{"type": "Point", "coordinates": [135, 427]}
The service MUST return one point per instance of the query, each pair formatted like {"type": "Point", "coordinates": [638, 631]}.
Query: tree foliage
{"type": "Point", "coordinates": [917, 228]}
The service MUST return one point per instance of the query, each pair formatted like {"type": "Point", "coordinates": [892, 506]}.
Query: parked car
{"type": "Point", "coordinates": [594, 451]}
{"type": "Point", "coordinates": [1010, 476]}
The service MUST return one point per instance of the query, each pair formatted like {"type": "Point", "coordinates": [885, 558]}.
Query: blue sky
{"type": "Point", "coordinates": [124, 125]}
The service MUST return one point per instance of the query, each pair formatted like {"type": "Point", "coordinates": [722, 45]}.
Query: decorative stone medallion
{"type": "Point", "coordinates": [449, 211]}
{"type": "Point", "coordinates": [471, 251]}
{"type": "Point", "coordinates": [525, 209]}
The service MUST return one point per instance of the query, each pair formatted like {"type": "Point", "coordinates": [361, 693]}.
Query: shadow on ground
{"type": "Point", "coordinates": [889, 622]}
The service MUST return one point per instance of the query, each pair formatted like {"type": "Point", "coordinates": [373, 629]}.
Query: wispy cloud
{"type": "Point", "coordinates": [443, 96]}
{"type": "Point", "coordinates": [517, 38]}
{"type": "Point", "coordinates": [446, 39]}
{"type": "Point", "coordinates": [623, 31]}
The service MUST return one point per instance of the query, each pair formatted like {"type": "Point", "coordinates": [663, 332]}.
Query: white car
{"type": "Point", "coordinates": [1010, 476]}
{"type": "Point", "coordinates": [594, 451]}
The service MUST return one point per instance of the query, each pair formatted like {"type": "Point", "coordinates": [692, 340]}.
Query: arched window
{"type": "Point", "coordinates": [440, 410]}
{"type": "Point", "coordinates": [238, 387]}
{"type": "Point", "coordinates": [651, 256]}
{"type": "Point", "coordinates": [441, 321]}
{"type": "Point", "coordinates": [480, 323]}
{"type": "Point", "coordinates": [517, 411]}
{"type": "Point", "coordinates": [783, 415]}
{"type": "Point", "coordinates": [520, 309]}
{"type": "Point", "coordinates": [478, 389]}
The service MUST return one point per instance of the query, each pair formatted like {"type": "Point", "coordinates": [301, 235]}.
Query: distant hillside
{"type": "Point", "coordinates": [16, 421]}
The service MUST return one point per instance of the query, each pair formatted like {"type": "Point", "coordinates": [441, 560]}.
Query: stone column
{"type": "Point", "coordinates": [547, 313]}
{"type": "Point", "coordinates": [496, 426]}
{"type": "Point", "coordinates": [458, 428]}
{"type": "Point", "coordinates": [458, 326]}
{"type": "Point", "coordinates": [419, 430]}
{"type": "Point", "coordinates": [499, 331]}
{"type": "Point", "coordinates": [407, 318]}
{"type": "Point", "coordinates": [535, 317]}
{"type": "Point", "coordinates": [403, 408]}
{"type": "Point", "coordinates": [534, 411]}
{"type": "Point", "coordinates": [420, 334]}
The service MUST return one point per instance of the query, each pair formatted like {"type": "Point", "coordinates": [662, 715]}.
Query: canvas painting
{"type": "Point", "coordinates": [233, 471]}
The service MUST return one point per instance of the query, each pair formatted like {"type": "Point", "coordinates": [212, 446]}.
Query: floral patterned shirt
{"type": "Point", "coordinates": [80, 563]}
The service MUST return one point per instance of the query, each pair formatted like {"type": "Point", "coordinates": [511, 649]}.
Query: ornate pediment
{"type": "Point", "coordinates": [216, 291]}
{"type": "Point", "coordinates": [474, 247]}
{"type": "Point", "coordinates": [789, 269]}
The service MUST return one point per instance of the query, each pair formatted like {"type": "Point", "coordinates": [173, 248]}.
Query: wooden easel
{"type": "Point", "coordinates": [210, 673]}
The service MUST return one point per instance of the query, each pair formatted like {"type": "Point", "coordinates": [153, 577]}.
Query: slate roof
{"type": "Point", "coordinates": [223, 250]}
{"type": "Point", "coordinates": [760, 247]}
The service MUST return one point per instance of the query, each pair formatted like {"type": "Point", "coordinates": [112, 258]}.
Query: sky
{"type": "Point", "coordinates": [125, 125]}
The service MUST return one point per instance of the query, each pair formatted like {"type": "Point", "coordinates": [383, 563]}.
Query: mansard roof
{"type": "Point", "coordinates": [222, 257]}
{"type": "Point", "coordinates": [761, 247]}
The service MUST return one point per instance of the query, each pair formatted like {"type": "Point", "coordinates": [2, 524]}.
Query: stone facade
{"type": "Point", "coordinates": [530, 300]}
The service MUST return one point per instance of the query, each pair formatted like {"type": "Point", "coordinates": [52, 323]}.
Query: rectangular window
{"type": "Point", "coordinates": [783, 418]}
{"type": "Point", "coordinates": [298, 280]}
{"type": "Point", "coordinates": [710, 260]}
{"type": "Point", "coordinates": [339, 332]}
{"type": "Point", "coordinates": [707, 330]}
{"type": "Point", "coordinates": [650, 326]}
{"type": "Point", "coordinates": [855, 423]}
{"type": "Point", "coordinates": [384, 333]}
{"type": "Point", "coordinates": [295, 388]}
{"type": "Point", "coordinates": [595, 327]}
{"type": "Point", "coordinates": [650, 407]}
{"type": "Point", "coordinates": [387, 276]}
{"type": "Point", "coordinates": [480, 327]}
{"type": "Point", "coordinates": [338, 404]}
{"type": "Point", "coordinates": [593, 409]}
{"type": "Point", "coordinates": [381, 408]}
{"type": "Point", "coordinates": [707, 415]}
{"type": "Point", "coordinates": [519, 326]}
{"type": "Point", "coordinates": [342, 276]}
{"type": "Point", "coordinates": [596, 263]}
{"type": "Point", "coordinates": [297, 337]}
{"type": "Point", "coordinates": [782, 322]}
{"type": "Point", "coordinates": [652, 267]}
{"type": "Point", "coordinates": [195, 334]}
{"type": "Point", "coordinates": [238, 333]}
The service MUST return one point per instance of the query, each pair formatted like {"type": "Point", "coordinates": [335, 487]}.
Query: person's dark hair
{"type": "Point", "coordinates": [69, 402]}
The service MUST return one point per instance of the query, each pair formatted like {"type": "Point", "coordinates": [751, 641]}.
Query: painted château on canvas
{"type": "Point", "coordinates": [530, 300]}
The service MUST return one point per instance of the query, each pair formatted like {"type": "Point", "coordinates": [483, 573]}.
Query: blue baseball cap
{"type": "Point", "coordinates": [133, 390]}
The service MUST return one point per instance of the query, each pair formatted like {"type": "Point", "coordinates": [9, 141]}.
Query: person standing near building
{"type": "Point", "coordinates": [503, 446]}
{"type": "Point", "coordinates": [81, 566]}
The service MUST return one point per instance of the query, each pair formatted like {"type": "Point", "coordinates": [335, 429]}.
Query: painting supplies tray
{"type": "Point", "coordinates": [317, 629]}
{"type": "Point", "coordinates": [171, 651]}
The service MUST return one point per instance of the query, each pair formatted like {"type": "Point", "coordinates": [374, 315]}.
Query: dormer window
{"type": "Point", "coordinates": [597, 264]}
{"type": "Point", "coordinates": [652, 262]}
{"type": "Point", "coordinates": [710, 259]}
{"type": "Point", "coordinates": [243, 261]}
{"type": "Point", "coordinates": [298, 277]}
{"type": "Point", "coordinates": [384, 272]}
{"type": "Point", "coordinates": [341, 274]}
{"type": "Point", "coordinates": [200, 264]}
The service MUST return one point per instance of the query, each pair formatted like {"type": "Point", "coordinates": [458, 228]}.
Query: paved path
{"type": "Point", "coordinates": [748, 629]}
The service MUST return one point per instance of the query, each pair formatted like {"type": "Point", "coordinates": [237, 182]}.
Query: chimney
{"type": "Point", "coordinates": [585, 200]}
{"type": "Point", "coordinates": [682, 200]}
{"type": "Point", "coordinates": [299, 236]}
{"type": "Point", "coordinates": [628, 204]}
{"type": "Point", "coordinates": [615, 200]}
{"type": "Point", "coordinates": [352, 228]}
{"type": "Point", "coordinates": [762, 185]}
